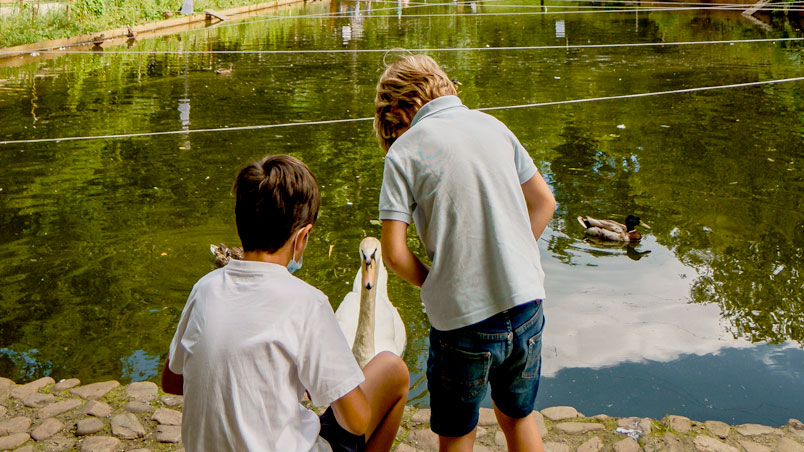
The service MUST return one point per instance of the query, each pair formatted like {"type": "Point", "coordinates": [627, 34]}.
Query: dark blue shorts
{"type": "Point", "coordinates": [503, 351]}
{"type": "Point", "coordinates": [338, 438]}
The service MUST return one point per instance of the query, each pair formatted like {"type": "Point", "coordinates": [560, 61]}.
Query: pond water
{"type": "Point", "coordinates": [103, 239]}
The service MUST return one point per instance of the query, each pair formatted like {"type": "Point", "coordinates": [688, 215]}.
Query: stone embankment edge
{"type": "Point", "coordinates": [120, 33]}
{"type": "Point", "coordinates": [106, 417]}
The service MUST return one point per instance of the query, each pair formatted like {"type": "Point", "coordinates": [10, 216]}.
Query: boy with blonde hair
{"type": "Point", "coordinates": [479, 205]}
{"type": "Point", "coordinates": [253, 339]}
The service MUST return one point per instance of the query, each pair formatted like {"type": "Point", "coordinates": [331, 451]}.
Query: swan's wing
{"type": "Point", "coordinates": [389, 333]}
{"type": "Point", "coordinates": [347, 315]}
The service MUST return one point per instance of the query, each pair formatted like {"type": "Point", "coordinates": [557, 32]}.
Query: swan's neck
{"type": "Point", "coordinates": [363, 348]}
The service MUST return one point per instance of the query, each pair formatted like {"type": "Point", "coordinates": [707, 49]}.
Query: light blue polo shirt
{"type": "Point", "coordinates": [457, 174]}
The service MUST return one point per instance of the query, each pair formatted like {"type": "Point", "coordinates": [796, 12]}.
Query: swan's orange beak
{"type": "Point", "coordinates": [369, 270]}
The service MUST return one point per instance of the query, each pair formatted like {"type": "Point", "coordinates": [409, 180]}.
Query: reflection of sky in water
{"type": "Point", "coordinates": [140, 366]}
{"type": "Point", "coordinates": [612, 309]}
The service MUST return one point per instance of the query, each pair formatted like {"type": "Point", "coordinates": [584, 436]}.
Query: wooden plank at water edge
{"type": "Point", "coordinates": [210, 13]}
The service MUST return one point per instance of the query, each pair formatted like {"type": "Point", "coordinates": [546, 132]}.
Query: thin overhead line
{"type": "Point", "coordinates": [349, 120]}
{"type": "Point", "coordinates": [421, 50]}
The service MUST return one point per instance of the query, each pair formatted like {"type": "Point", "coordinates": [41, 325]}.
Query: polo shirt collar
{"type": "Point", "coordinates": [435, 106]}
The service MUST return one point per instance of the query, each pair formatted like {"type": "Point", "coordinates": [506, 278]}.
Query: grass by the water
{"type": "Point", "coordinates": [21, 23]}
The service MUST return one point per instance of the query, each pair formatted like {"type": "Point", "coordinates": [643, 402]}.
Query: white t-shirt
{"type": "Point", "coordinates": [251, 339]}
{"type": "Point", "coordinates": [457, 174]}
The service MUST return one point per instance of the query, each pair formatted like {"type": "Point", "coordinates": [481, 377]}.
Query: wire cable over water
{"type": "Point", "coordinates": [348, 120]}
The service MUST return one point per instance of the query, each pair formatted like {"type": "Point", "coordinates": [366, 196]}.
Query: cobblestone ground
{"type": "Point", "coordinates": [106, 417]}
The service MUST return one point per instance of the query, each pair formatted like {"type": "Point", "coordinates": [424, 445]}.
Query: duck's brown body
{"type": "Point", "coordinates": [610, 230]}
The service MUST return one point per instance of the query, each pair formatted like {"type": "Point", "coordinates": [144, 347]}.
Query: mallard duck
{"type": "Point", "coordinates": [366, 316]}
{"type": "Point", "coordinates": [130, 33]}
{"type": "Point", "coordinates": [225, 71]}
{"type": "Point", "coordinates": [612, 230]}
{"type": "Point", "coordinates": [223, 253]}
{"type": "Point", "coordinates": [98, 40]}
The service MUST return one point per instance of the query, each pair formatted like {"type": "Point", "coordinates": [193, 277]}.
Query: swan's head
{"type": "Point", "coordinates": [370, 261]}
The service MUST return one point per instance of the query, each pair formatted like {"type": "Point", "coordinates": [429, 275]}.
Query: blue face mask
{"type": "Point", "coordinates": [295, 265]}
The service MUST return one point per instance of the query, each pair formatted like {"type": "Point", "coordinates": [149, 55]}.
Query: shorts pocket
{"type": "Point", "coordinates": [533, 365]}
{"type": "Point", "coordinates": [463, 373]}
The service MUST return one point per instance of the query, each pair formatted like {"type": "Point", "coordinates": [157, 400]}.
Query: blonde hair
{"type": "Point", "coordinates": [405, 86]}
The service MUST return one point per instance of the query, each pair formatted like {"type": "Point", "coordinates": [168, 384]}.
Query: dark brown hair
{"type": "Point", "coordinates": [275, 197]}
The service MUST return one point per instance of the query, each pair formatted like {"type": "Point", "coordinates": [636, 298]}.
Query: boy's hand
{"type": "Point", "coordinates": [397, 254]}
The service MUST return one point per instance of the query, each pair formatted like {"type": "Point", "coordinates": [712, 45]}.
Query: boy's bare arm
{"type": "Point", "coordinates": [397, 254]}
{"type": "Point", "coordinates": [172, 383]}
{"type": "Point", "coordinates": [541, 203]}
{"type": "Point", "coordinates": [353, 412]}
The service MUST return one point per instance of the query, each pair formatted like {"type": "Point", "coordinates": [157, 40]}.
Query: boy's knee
{"type": "Point", "coordinates": [395, 368]}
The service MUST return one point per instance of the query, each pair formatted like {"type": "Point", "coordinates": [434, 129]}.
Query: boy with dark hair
{"type": "Point", "coordinates": [479, 205]}
{"type": "Point", "coordinates": [253, 338]}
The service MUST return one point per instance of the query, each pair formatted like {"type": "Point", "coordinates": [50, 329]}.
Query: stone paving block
{"type": "Point", "coordinates": [98, 409]}
{"type": "Point", "coordinates": [680, 424]}
{"type": "Point", "coordinates": [88, 426]}
{"type": "Point", "coordinates": [47, 428]}
{"type": "Point", "coordinates": [404, 448]}
{"type": "Point", "coordinates": [100, 444]}
{"type": "Point", "coordinates": [499, 439]}
{"type": "Point", "coordinates": [58, 408]}
{"type": "Point", "coordinates": [17, 424]}
{"type": "Point", "coordinates": [3, 410]}
{"type": "Point", "coordinates": [95, 391]}
{"type": "Point", "coordinates": [167, 416]}
{"type": "Point", "coordinates": [172, 400]}
{"type": "Point", "coordinates": [21, 391]}
{"type": "Point", "coordinates": [560, 413]}
{"type": "Point", "coordinates": [138, 407]}
{"type": "Point", "coordinates": [38, 400]}
{"type": "Point", "coordinates": [481, 448]}
{"type": "Point", "coordinates": [5, 383]}
{"type": "Point", "coordinates": [550, 446]}
{"type": "Point", "coordinates": [27, 448]}
{"type": "Point", "coordinates": [142, 391]}
{"type": "Point", "coordinates": [58, 444]}
{"type": "Point", "coordinates": [718, 428]}
{"type": "Point", "coordinates": [788, 445]}
{"type": "Point", "coordinates": [794, 424]}
{"type": "Point", "coordinates": [168, 433]}
{"type": "Point", "coordinates": [421, 417]}
{"type": "Point", "coordinates": [601, 417]}
{"type": "Point", "coordinates": [65, 384]}
{"type": "Point", "coordinates": [487, 417]}
{"type": "Point", "coordinates": [423, 439]}
{"type": "Point", "coordinates": [708, 444]}
{"type": "Point", "coordinates": [756, 429]}
{"type": "Point", "coordinates": [127, 426]}
{"type": "Point", "coordinates": [13, 440]}
{"type": "Point", "coordinates": [672, 443]}
{"type": "Point", "coordinates": [139, 450]}
{"type": "Point", "coordinates": [576, 428]}
{"type": "Point", "coordinates": [592, 445]}
{"type": "Point", "coordinates": [626, 445]}
{"type": "Point", "coordinates": [751, 446]}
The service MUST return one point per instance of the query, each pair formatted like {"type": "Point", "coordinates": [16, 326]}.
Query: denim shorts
{"type": "Point", "coordinates": [503, 351]}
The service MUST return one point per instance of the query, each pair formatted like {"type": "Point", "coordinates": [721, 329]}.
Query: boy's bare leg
{"type": "Point", "coordinates": [463, 443]}
{"type": "Point", "coordinates": [386, 389]}
{"type": "Point", "coordinates": [521, 434]}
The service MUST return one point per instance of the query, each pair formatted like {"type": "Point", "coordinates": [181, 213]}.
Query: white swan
{"type": "Point", "coordinates": [367, 318]}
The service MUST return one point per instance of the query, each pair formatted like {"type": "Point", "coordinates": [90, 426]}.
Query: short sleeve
{"type": "Point", "coordinates": [525, 168]}
{"type": "Point", "coordinates": [327, 368]}
{"type": "Point", "coordinates": [178, 353]}
{"type": "Point", "coordinates": [396, 198]}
